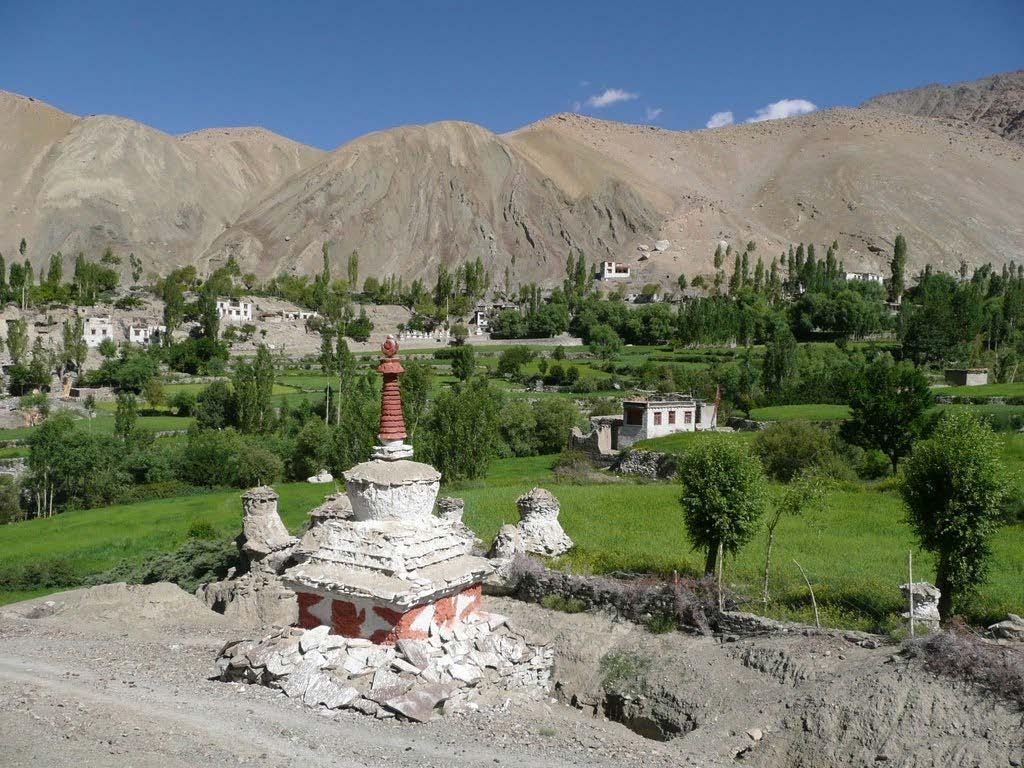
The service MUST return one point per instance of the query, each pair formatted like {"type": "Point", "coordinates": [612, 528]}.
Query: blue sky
{"type": "Point", "coordinates": [324, 72]}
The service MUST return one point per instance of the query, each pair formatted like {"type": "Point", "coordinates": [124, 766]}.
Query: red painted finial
{"type": "Point", "coordinates": [392, 424]}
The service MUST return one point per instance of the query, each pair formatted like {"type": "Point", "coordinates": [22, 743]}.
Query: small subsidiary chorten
{"type": "Point", "coordinates": [391, 570]}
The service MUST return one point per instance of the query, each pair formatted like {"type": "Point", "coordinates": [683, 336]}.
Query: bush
{"type": "Point", "coordinates": [518, 428]}
{"type": "Point", "coordinates": [224, 458]}
{"type": "Point", "coordinates": [10, 500]}
{"type": "Point", "coordinates": [43, 574]}
{"type": "Point", "coordinates": [788, 448]}
{"type": "Point", "coordinates": [873, 465]}
{"type": "Point", "coordinates": [201, 529]}
{"type": "Point", "coordinates": [184, 402]}
{"type": "Point", "coordinates": [960, 655]}
{"type": "Point", "coordinates": [197, 561]}
{"type": "Point", "coordinates": [555, 417]}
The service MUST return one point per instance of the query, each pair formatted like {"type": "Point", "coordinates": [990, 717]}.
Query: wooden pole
{"type": "Point", "coordinates": [721, 602]}
{"type": "Point", "coordinates": [910, 592]}
{"type": "Point", "coordinates": [817, 621]}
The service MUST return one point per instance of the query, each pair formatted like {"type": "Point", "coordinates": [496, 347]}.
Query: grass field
{"type": "Point", "coordinates": [854, 546]}
{"type": "Point", "coordinates": [809, 411]}
{"type": "Point", "coordinates": [1016, 389]}
{"type": "Point", "coordinates": [104, 424]}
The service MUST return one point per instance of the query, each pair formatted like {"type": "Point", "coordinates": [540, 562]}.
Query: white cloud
{"type": "Point", "coordinates": [781, 109]}
{"type": "Point", "coordinates": [720, 119]}
{"type": "Point", "coordinates": [610, 96]}
{"type": "Point", "coordinates": [653, 113]}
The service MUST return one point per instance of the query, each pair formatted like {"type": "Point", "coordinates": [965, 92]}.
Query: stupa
{"type": "Point", "coordinates": [389, 570]}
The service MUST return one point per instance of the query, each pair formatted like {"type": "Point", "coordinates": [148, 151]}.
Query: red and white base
{"type": "Point", "coordinates": [382, 624]}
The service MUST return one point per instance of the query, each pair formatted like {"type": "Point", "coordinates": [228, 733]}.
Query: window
{"type": "Point", "coordinates": [688, 417]}
{"type": "Point", "coordinates": [672, 417]}
{"type": "Point", "coordinates": [657, 418]}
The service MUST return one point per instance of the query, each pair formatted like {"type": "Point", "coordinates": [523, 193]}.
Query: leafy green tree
{"type": "Point", "coordinates": [887, 408]}
{"type": "Point", "coordinates": [74, 350]}
{"type": "Point", "coordinates": [788, 449]}
{"type": "Point", "coordinates": [55, 271]}
{"type": "Point", "coordinates": [953, 486]}
{"type": "Point", "coordinates": [724, 492]}
{"type": "Point", "coordinates": [554, 418]}
{"type": "Point", "coordinates": [801, 494]}
{"type": "Point", "coordinates": [459, 333]}
{"type": "Point", "coordinates": [898, 266]}
{"type": "Point", "coordinates": [153, 391]}
{"type": "Point", "coordinates": [518, 428]}
{"type": "Point", "coordinates": [511, 360]}
{"type": "Point", "coordinates": [604, 341]}
{"type": "Point", "coordinates": [17, 340]}
{"type": "Point", "coordinates": [126, 415]}
{"type": "Point", "coordinates": [415, 383]}
{"type": "Point", "coordinates": [253, 385]}
{"type": "Point", "coordinates": [779, 358]}
{"type": "Point", "coordinates": [463, 362]}
{"type": "Point", "coordinates": [214, 406]}
{"type": "Point", "coordinates": [462, 435]}
{"type": "Point", "coordinates": [352, 270]}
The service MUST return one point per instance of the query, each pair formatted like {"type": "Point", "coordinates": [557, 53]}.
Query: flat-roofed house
{"type": "Point", "coordinates": [140, 332]}
{"type": "Point", "coordinates": [613, 270]}
{"type": "Point", "coordinates": [656, 417]}
{"type": "Point", "coordinates": [235, 310]}
{"type": "Point", "coordinates": [97, 329]}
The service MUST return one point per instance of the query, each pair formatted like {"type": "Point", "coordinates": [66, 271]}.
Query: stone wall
{"type": "Point", "coordinates": [649, 464]}
{"type": "Point", "coordinates": [745, 425]}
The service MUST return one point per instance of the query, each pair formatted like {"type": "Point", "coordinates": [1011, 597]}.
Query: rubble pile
{"type": "Point", "coordinates": [453, 668]}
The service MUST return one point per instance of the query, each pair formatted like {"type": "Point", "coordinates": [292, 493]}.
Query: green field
{"type": "Point", "coordinates": [1015, 389]}
{"type": "Point", "coordinates": [104, 424]}
{"type": "Point", "coordinates": [809, 411]}
{"type": "Point", "coordinates": [854, 546]}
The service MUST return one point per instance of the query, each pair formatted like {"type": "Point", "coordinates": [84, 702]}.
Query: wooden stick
{"type": "Point", "coordinates": [817, 620]}
{"type": "Point", "coordinates": [910, 572]}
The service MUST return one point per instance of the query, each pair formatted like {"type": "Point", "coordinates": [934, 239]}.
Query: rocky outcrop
{"type": "Point", "coordinates": [538, 528]}
{"type": "Point", "coordinates": [409, 680]}
{"type": "Point", "coordinates": [1011, 629]}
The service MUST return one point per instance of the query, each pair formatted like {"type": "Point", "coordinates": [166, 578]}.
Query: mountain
{"type": "Point", "coordinates": [410, 198]}
{"type": "Point", "coordinates": [75, 184]}
{"type": "Point", "coordinates": [995, 103]}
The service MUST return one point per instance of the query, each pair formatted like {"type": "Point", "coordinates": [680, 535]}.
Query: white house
{"type": "Point", "coordinates": [143, 333]}
{"type": "Point", "coordinates": [97, 329]}
{"type": "Point", "coordinates": [235, 310]}
{"type": "Point", "coordinates": [865, 277]}
{"type": "Point", "coordinates": [611, 270]}
{"type": "Point", "coordinates": [643, 419]}
{"type": "Point", "coordinates": [299, 314]}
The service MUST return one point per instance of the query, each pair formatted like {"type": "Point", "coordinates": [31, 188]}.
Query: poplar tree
{"type": "Point", "coordinates": [898, 266]}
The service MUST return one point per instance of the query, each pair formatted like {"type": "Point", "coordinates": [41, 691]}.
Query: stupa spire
{"type": "Point", "coordinates": [391, 437]}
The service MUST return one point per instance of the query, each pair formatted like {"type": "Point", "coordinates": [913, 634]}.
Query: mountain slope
{"type": "Point", "coordinates": [856, 175]}
{"type": "Point", "coordinates": [995, 103]}
{"type": "Point", "coordinates": [410, 198]}
{"type": "Point", "coordinates": [83, 184]}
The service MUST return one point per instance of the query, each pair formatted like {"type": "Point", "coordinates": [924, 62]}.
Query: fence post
{"type": "Point", "coordinates": [910, 592]}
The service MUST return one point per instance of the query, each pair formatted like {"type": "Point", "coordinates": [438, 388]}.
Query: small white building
{"type": "Point", "coordinates": [97, 329]}
{"type": "Point", "coordinates": [299, 314]}
{"type": "Point", "coordinates": [644, 419]}
{"type": "Point", "coordinates": [613, 270]}
{"type": "Point", "coordinates": [235, 310]}
{"type": "Point", "coordinates": [143, 333]}
{"type": "Point", "coordinates": [865, 277]}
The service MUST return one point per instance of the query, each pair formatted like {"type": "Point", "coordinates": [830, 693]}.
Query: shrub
{"type": "Point", "coordinates": [555, 417]}
{"type": "Point", "coordinates": [201, 529]}
{"type": "Point", "coordinates": [960, 655]}
{"type": "Point", "coordinates": [54, 573]}
{"type": "Point", "coordinates": [10, 500]}
{"type": "Point", "coordinates": [197, 561]}
{"type": "Point", "coordinates": [788, 448]}
{"type": "Point", "coordinates": [563, 604]}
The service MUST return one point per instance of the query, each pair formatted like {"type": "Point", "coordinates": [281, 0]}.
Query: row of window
{"type": "Point", "coordinates": [687, 417]}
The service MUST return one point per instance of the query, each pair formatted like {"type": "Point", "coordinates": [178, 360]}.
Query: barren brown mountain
{"type": "Point", "coordinates": [412, 197]}
{"type": "Point", "coordinates": [995, 103]}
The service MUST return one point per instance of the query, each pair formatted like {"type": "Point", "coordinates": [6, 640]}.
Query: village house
{"type": "Point", "coordinates": [97, 329]}
{"type": "Point", "coordinates": [644, 418]}
{"type": "Point", "coordinates": [865, 277]}
{"type": "Point", "coordinates": [235, 310]}
{"type": "Point", "coordinates": [612, 270]}
{"type": "Point", "coordinates": [141, 332]}
{"type": "Point", "coordinates": [483, 313]}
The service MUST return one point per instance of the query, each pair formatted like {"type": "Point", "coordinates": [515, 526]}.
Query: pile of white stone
{"type": "Point", "coordinates": [451, 670]}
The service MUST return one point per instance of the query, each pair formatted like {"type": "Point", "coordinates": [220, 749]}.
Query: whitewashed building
{"type": "Point", "coordinates": [144, 333]}
{"type": "Point", "coordinates": [865, 277]}
{"type": "Point", "coordinates": [644, 419]}
{"type": "Point", "coordinates": [97, 329]}
{"type": "Point", "coordinates": [235, 310]}
{"type": "Point", "coordinates": [613, 270]}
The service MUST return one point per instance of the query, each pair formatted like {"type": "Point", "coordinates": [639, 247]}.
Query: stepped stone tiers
{"type": "Point", "coordinates": [388, 569]}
